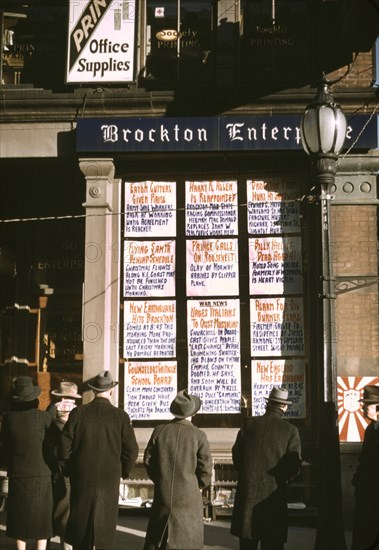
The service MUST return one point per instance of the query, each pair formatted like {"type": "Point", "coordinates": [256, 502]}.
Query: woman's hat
{"type": "Point", "coordinates": [67, 389]}
{"type": "Point", "coordinates": [278, 395]}
{"type": "Point", "coordinates": [370, 394]}
{"type": "Point", "coordinates": [24, 390]}
{"type": "Point", "coordinates": [102, 382]}
{"type": "Point", "coordinates": [185, 405]}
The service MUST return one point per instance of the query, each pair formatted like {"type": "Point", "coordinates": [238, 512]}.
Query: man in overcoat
{"type": "Point", "coordinates": [366, 477]}
{"type": "Point", "coordinates": [178, 460]}
{"type": "Point", "coordinates": [266, 454]}
{"type": "Point", "coordinates": [98, 447]}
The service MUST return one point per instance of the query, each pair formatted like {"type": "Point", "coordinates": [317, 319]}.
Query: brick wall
{"type": "Point", "coordinates": [361, 73]}
{"type": "Point", "coordinates": [355, 252]}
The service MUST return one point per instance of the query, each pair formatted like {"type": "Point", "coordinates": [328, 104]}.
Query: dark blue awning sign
{"type": "Point", "coordinates": [224, 133]}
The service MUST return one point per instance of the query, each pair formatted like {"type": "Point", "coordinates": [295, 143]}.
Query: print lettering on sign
{"type": "Point", "coordinates": [85, 27]}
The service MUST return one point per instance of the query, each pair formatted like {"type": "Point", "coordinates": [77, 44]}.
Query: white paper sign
{"type": "Point", "coordinates": [214, 354]}
{"type": "Point", "coordinates": [211, 208]}
{"type": "Point", "coordinates": [149, 268]}
{"type": "Point", "coordinates": [276, 326]}
{"type": "Point", "coordinates": [149, 389]}
{"type": "Point", "coordinates": [150, 209]}
{"type": "Point", "coordinates": [275, 265]}
{"type": "Point", "coordinates": [273, 207]}
{"type": "Point", "coordinates": [287, 373]}
{"type": "Point", "coordinates": [212, 267]}
{"type": "Point", "coordinates": [150, 329]}
{"type": "Point", "coordinates": [101, 37]}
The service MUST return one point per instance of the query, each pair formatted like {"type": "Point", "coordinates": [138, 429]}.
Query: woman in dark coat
{"type": "Point", "coordinates": [266, 455]}
{"type": "Point", "coordinates": [30, 498]}
{"type": "Point", "coordinates": [178, 460]}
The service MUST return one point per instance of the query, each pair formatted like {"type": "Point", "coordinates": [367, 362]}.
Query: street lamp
{"type": "Point", "coordinates": [323, 131]}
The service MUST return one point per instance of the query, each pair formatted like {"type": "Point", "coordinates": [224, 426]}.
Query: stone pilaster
{"type": "Point", "coordinates": [101, 292]}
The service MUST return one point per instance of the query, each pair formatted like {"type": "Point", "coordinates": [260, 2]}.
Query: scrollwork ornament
{"type": "Point", "coordinates": [95, 192]}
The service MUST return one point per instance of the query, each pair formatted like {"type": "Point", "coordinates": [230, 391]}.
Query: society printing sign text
{"type": "Point", "coordinates": [101, 41]}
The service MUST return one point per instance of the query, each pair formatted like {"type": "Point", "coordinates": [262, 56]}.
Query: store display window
{"type": "Point", "coordinates": [33, 43]}
{"type": "Point", "coordinates": [179, 39]}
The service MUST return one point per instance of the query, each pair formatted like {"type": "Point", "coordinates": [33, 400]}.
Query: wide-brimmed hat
{"type": "Point", "coordinates": [67, 389]}
{"type": "Point", "coordinates": [24, 390]}
{"type": "Point", "coordinates": [370, 394]}
{"type": "Point", "coordinates": [278, 395]}
{"type": "Point", "coordinates": [185, 405]}
{"type": "Point", "coordinates": [102, 382]}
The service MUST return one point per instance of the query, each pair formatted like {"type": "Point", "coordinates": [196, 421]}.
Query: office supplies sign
{"type": "Point", "coordinates": [101, 37]}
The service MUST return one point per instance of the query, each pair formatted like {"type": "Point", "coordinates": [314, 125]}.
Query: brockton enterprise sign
{"type": "Point", "coordinates": [225, 133]}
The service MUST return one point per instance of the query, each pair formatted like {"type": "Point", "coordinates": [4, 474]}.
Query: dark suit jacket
{"type": "Point", "coordinates": [266, 455]}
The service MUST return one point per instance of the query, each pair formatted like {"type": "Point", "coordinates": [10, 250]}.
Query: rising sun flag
{"type": "Point", "coordinates": [351, 421]}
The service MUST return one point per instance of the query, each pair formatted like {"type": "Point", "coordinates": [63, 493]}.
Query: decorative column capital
{"type": "Point", "coordinates": [99, 174]}
{"type": "Point", "coordinates": [97, 168]}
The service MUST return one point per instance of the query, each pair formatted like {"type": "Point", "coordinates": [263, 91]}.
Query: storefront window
{"type": "Point", "coordinates": [34, 43]}
{"type": "Point", "coordinates": [212, 296]}
{"type": "Point", "coordinates": [179, 39]}
{"type": "Point", "coordinates": [275, 41]}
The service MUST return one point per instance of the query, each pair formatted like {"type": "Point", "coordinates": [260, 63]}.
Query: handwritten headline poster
{"type": "Point", "coordinates": [150, 209]}
{"type": "Point", "coordinates": [277, 326]}
{"type": "Point", "coordinates": [351, 420]}
{"type": "Point", "coordinates": [279, 372]}
{"type": "Point", "coordinates": [212, 267]}
{"type": "Point", "coordinates": [211, 208]}
{"type": "Point", "coordinates": [149, 389]}
{"type": "Point", "coordinates": [275, 265]}
{"type": "Point", "coordinates": [149, 268]}
{"type": "Point", "coordinates": [150, 328]}
{"type": "Point", "coordinates": [214, 354]}
{"type": "Point", "coordinates": [272, 208]}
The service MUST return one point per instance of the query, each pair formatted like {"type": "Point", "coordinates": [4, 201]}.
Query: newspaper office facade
{"type": "Point", "coordinates": [194, 252]}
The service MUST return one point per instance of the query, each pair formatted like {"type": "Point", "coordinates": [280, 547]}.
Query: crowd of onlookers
{"type": "Point", "coordinates": [64, 466]}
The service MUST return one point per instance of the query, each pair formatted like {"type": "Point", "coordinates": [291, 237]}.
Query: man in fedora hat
{"type": "Point", "coordinates": [61, 408]}
{"type": "Point", "coordinates": [68, 396]}
{"type": "Point", "coordinates": [98, 448]}
{"type": "Point", "coordinates": [266, 454]}
{"type": "Point", "coordinates": [366, 477]}
{"type": "Point", "coordinates": [178, 460]}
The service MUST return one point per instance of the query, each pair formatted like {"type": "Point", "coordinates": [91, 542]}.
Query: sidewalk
{"type": "Point", "coordinates": [132, 526]}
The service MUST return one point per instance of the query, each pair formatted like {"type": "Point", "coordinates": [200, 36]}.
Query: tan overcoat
{"type": "Point", "coordinates": [178, 460]}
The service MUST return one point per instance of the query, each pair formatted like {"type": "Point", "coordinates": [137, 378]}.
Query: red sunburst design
{"type": "Point", "coordinates": [351, 421]}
